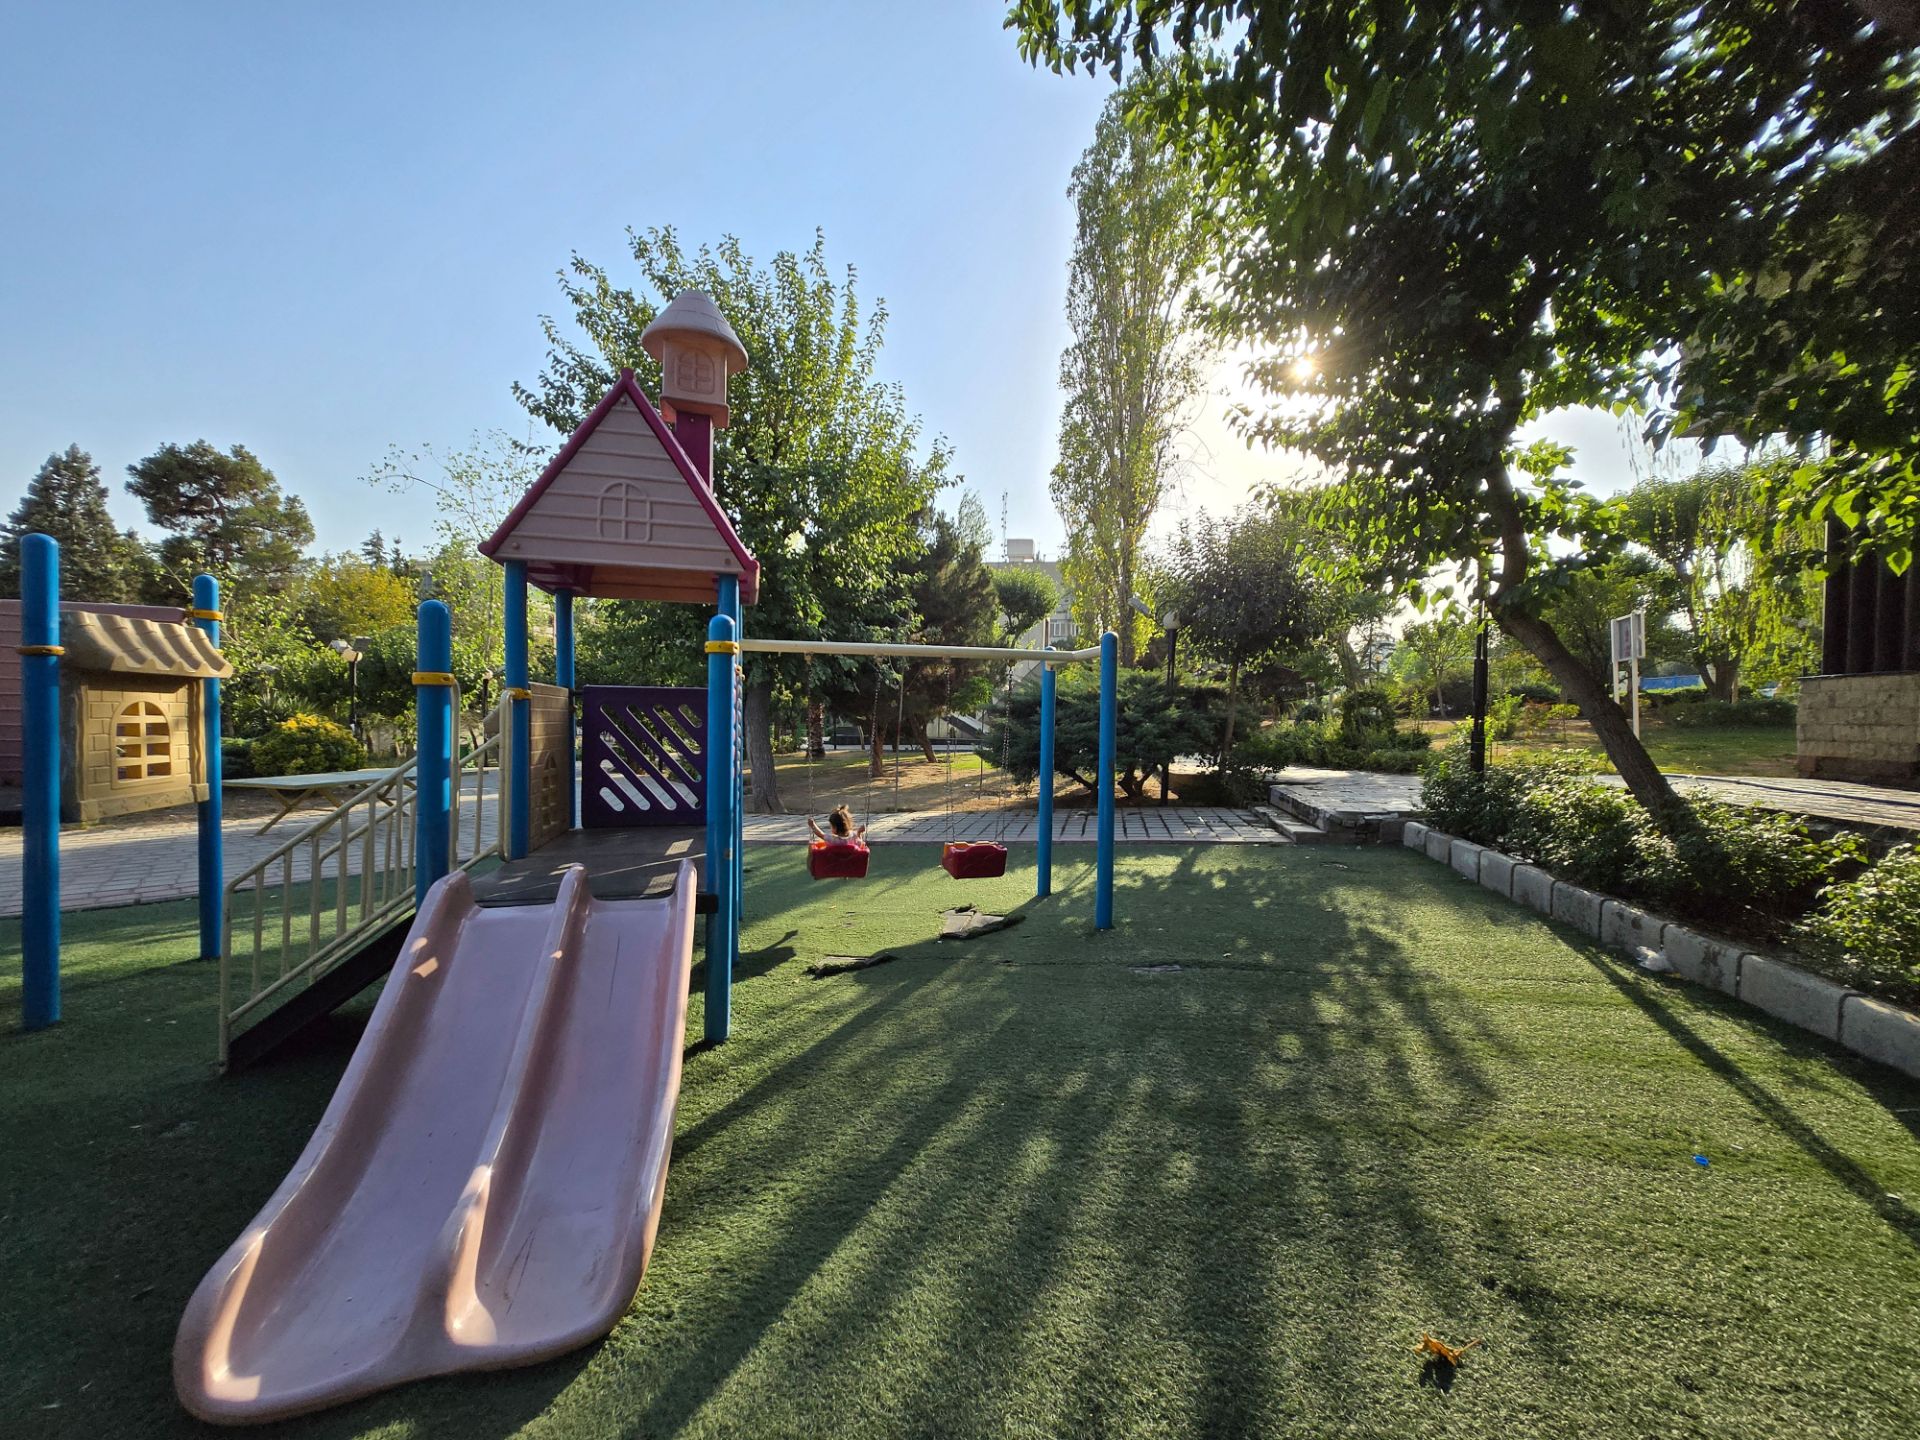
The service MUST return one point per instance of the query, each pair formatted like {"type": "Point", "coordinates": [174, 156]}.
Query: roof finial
{"type": "Point", "coordinates": [698, 353]}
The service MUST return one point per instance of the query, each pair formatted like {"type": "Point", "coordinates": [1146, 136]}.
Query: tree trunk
{"type": "Point", "coordinates": [1349, 659]}
{"type": "Point", "coordinates": [921, 738]}
{"type": "Point", "coordinates": [1610, 723]}
{"type": "Point", "coordinates": [816, 730]}
{"type": "Point", "coordinates": [1722, 677]}
{"type": "Point", "coordinates": [758, 701]}
{"type": "Point", "coordinates": [1123, 625]}
{"type": "Point", "coordinates": [1233, 701]}
{"type": "Point", "coordinates": [1643, 778]}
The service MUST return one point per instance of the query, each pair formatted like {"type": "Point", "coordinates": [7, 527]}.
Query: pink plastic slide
{"type": "Point", "coordinates": [484, 1188]}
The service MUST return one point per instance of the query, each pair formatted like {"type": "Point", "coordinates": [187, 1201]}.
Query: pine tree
{"type": "Point", "coordinates": [68, 501]}
{"type": "Point", "coordinates": [226, 513]}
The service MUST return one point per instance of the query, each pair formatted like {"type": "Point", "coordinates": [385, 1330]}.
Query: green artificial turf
{"type": "Point", "coordinates": [1019, 1186]}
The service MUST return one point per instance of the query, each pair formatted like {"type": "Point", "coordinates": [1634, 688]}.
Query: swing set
{"type": "Point", "coordinates": [845, 857]}
{"type": "Point", "coordinates": [848, 859]}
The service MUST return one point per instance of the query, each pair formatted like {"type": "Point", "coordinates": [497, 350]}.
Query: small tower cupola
{"type": "Point", "coordinates": [698, 353]}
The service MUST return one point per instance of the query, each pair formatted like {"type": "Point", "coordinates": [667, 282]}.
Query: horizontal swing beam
{"type": "Point", "coordinates": [915, 652]}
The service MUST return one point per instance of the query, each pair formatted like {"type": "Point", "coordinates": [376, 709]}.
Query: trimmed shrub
{"type": "Point", "coordinates": [1365, 714]}
{"type": "Point", "coordinates": [1537, 693]}
{"type": "Point", "coordinates": [236, 759]}
{"type": "Point", "coordinates": [1867, 930]}
{"type": "Point", "coordinates": [1725, 863]}
{"type": "Point", "coordinates": [307, 745]}
{"type": "Point", "coordinates": [1757, 712]}
{"type": "Point", "coordinates": [1325, 743]}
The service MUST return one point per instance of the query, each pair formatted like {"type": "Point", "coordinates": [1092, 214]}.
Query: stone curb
{"type": "Point", "coordinates": [1866, 1026]}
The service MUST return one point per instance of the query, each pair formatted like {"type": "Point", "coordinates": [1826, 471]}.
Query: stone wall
{"type": "Point", "coordinates": [1860, 727]}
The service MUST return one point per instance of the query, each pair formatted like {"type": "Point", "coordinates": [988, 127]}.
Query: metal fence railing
{"type": "Point", "coordinates": [317, 899]}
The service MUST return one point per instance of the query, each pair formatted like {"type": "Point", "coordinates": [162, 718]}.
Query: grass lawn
{"type": "Point", "coordinates": [1724, 750]}
{"type": "Point", "coordinates": [1017, 1186]}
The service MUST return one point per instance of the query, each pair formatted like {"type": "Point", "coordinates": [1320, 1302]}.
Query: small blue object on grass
{"type": "Point", "coordinates": [1701, 1161]}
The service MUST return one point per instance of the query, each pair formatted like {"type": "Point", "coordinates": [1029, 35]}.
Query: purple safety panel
{"type": "Point", "coordinates": [643, 756]}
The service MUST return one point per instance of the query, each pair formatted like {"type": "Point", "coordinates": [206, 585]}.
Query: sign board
{"type": "Point", "coordinates": [1629, 637]}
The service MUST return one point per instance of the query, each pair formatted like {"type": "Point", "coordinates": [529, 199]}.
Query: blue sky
{"type": "Point", "coordinates": [322, 230]}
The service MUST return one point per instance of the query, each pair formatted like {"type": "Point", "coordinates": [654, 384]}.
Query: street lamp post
{"type": "Point", "coordinates": [1170, 623]}
{"type": "Point", "coordinates": [349, 651]}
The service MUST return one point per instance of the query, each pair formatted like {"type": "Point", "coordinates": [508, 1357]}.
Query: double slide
{"type": "Point", "coordinates": [484, 1189]}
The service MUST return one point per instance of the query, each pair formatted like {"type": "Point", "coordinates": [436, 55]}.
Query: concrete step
{"type": "Point", "coordinates": [1297, 831]}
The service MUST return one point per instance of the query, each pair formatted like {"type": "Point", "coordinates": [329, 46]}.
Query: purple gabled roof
{"type": "Point", "coordinates": [629, 387]}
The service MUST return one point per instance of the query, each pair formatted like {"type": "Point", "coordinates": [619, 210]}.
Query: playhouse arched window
{"type": "Point", "coordinates": [142, 743]}
{"type": "Point", "coordinates": [625, 513]}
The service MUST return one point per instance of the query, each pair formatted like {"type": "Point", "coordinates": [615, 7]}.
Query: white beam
{"type": "Point", "coordinates": [914, 652]}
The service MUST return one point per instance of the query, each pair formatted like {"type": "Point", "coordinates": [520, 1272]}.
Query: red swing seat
{"type": "Point", "coordinates": [837, 862]}
{"type": "Point", "coordinates": [973, 859]}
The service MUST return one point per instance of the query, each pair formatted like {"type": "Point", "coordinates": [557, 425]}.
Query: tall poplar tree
{"type": "Point", "coordinates": [1135, 364]}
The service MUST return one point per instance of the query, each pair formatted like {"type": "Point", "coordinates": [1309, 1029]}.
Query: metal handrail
{"type": "Point", "coordinates": [362, 902]}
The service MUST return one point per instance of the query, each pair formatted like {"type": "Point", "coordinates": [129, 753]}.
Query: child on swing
{"type": "Point", "coordinates": [841, 823]}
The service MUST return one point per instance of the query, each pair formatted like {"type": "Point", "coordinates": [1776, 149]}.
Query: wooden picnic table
{"type": "Point", "coordinates": [293, 791]}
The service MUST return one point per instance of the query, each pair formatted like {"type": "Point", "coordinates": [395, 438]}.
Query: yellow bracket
{"type": "Point", "coordinates": [723, 647]}
{"type": "Point", "coordinates": [432, 677]}
{"type": "Point", "coordinates": [516, 692]}
{"type": "Point", "coordinates": [41, 649]}
{"type": "Point", "coordinates": [196, 614]}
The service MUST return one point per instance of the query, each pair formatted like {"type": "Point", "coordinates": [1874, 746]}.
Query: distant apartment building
{"type": "Point", "coordinates": [1057, 628]}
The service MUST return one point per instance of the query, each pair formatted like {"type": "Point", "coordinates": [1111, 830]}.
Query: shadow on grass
{"type": "Point", "coordinates": [1899, 1216]}
{"type": "Point", "coordinates": [1006, 1183]}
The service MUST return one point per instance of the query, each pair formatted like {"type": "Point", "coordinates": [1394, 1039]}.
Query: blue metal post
{"type": "Point", "coordinates": [433, 774]}
{"type": "Point", "coordinates": [723, 937]}
{"type": "Point", "coordinates": [40, 792]}
{"type": "Point", "coordinates": [563, 673]}
{"type": "Point", "coordinates": [206, 614]}
{"type": "Point", "coordinates": [1109, 721]}
{"type": "Point", "coordinates": [519, 713]}
{"type": "Point", "coordinates": [1043, 887]}
{"type": "Point", "coordinates": [729, 590]}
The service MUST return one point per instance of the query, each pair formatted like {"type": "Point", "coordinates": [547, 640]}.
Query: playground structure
{"type": "Point", "coordinates": [519, 1076]}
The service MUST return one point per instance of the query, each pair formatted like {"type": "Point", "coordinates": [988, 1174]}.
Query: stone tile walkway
{"type": "Point", "coordinates": [1151, 825]}
{"type": "Point", "coordinates": [1363, 792]}
{"type": "Point", "coordinates": [139, 861]}
{"type": "Point", "coordinates": [135, 863]}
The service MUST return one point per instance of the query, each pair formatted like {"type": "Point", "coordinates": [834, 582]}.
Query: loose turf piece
{"type": "Point", "coordinates": [842, 964]}
{"type": "Point", "coordinates": [967, 922]}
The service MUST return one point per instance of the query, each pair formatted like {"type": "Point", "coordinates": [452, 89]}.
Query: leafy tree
{"type": "Point", "coordinates": [345, 596]}
{"type": "Point", "coordinates": [952, 594]}
{"type": "Point", "coordinates": [67, 500]}
{"type": "Point", "coordinates": [970, 519]}
{"type": "Point", "coordinates": [1134, 366]}
{"type": "Point", "coordinates": [474, 489]}
{"type": "Point", "coordinates": [1358, 636]}
{"type": "Point", "coordinates": [1439, 647]}
{"type": "Point", "coordinates": [1243, 593]}
{"type": "Point", "coordinates": [1025, 595]}
{"type": "Point", "coordinates": [822, 467]}
{"type": "Point", "coordinates": [1584, 602]}
{"type": "Point", "coordinates": [225, 513]}
{"type": "Point", "coordinates": [1731, 565]}
{"type": "Point", "coordinates": [1463, 215]}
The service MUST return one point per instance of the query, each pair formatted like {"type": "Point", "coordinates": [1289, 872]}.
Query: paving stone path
{"type": "Point", "coordinates": [1363, 792]}
{"type": "Point", "coordinates": [136, 862]}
